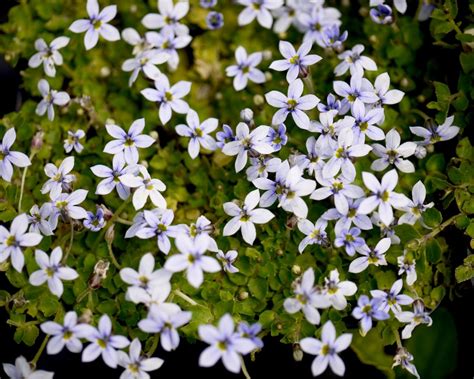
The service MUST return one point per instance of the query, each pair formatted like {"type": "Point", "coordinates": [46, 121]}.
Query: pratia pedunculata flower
{"type": "Point", "coordinates": [368, 309]}
{"type": "Point", "coordinates": [38, 219]}
{"type": "Point", "coordinates": [336, 290]}
{"type": "Point", "coordinates": [382, 196]}
{"type": "Point", "coordinates": [393, 153]}
{"type": "Point", "coordinates": [392, 299]}
{"type": "Point", "coordinates": [355, 62]}
{"type": "Point", "coordinates": [214, 20]}
{"type": "Point", "coordinates": [293, 104]}
{"type": "Point", "coordinates": [168, 43]}
{"type": "Point", "coordinates": [52, 271]}
{"type": "Point", "coordinates": [169, 17]}
{"type": "Point", "coordinates": [48, 55]}
{"type": "Point", "coordinates": [94, 221]}
{"type": "Point", "coordinates": [381, 14]}
{"type": "Point", "coordinates": [145, 187]}
{"type": "Point", "coordinates": [22, 369]}
{"type": "Point", "coordinates": [72, 141]}
{"type": "Point", "coordinates": [192, 259]}
{"type": "Point", "coordinates": [227, 260]}
{"type": "Point", "coordinates": [251, 332]}
{"type": "Point", "coordinates": [375, 256]}
{"type": "Point", "coordinates": [50, 97]}
{"type": "Point", "coordinates": [417, 317]}
{"type": "Point", "coordinates": [97, 24]}
{"type": "Point", "coordinates": [346, 219]}
{"type": "Point", "coordinates": [67, 334]}
{"type": "Point", "coordinates": [246, 216]}
{"type": "Point", "coordinates": [315, 21]}
{"type": "Point", "coordinates": [386, 96]}
{"type": "Point", "coordinates": [358, 91]}
{"type": "Point", "coordinates": [9, 158]}
{"type": "Point", "coordinates": [259, 9]}
{"type": "Point", "coordinates": [436, 133]}
{"type": "Point", "coordinates": [127, 143]}
{"type": "Point", "coordinates": [403, 359]}
{"type": "Point", "coordinates": [225, 343]}
{"type": "Point", "coordinates": [198, 133]}
{"type": "Point", "coordinates": [315, 233]}
{"type": "Point", "coordinates": [12, 241]}
{"type": "Point", "coordinates": [104, 343]}
{"type": "Point", "coordinates": [308, 298]}
{"type": "Point", "coordinates": [111, 177]}
{"type": "Point", "coordinates": [296, 62]}
{"type": "Point", "coordinates": [137, 365]}
{"type": "Point", "coordinates": [415, 208]}
{"type": "Point", "coordinates": [327, 349]}
{"type": "Point", "coordinates": [349, 239]}
{"type": "Point", "coordinates": [145, 61]}
{"type": "Point", "coordinates": [60, 178]}
{"type": "Point", "coordinates": [245, 69]}
{"type": "Point", "coordinates": [67, 205]}
{"type": "Point", "coordinates": [169, 98]}
{"type": "Point", "coordinates": [407, 266]}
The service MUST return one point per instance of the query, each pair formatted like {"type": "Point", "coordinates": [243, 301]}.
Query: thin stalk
{"type": "Point", "coordinates": [112, 256]}
{"type": "Point", "coordinates": [244, 368]}
{"type": "Point", "coordinates": [439, 229]}
{"type": "Point", "coordinates": [71, 240]}
{"type": "Point", "coordinates": [23, 179]}
{"type": "Point", "coordinates": [397, 337]}
{"type": "Point", "coordinates": [40, 351]}
{"type": "Point", "coordinates": [123, 221]}
{"type": "Point", "coordinates": [185, 297]}
{"type": "Point", "coordinates": [110, 222]}
{"type": "Point", "coordinates": [153, 347]}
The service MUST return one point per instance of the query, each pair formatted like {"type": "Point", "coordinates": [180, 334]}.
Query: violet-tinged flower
{"type": "Point", "coordinates": [382, 196]}
{"type": "Point", "coordinates": [350, 240]}
{"type": "Point", "coordinates": [198, 133]}
{"type": "Point", "coordinates": [112, 176]}
{"type": "Point", "coordinates": [60, 178]}
{"type": "Point", "coordinates": [417, 317]}
{"type": "Point", "coordinates": [261, 166]}
{"type": "Point", "coordinates": [145, 187]}
{"type": "Point", "coordinates": [403, 359]}
{"type": "Point", "coordinates": [97, 24]}
{"type": "Point", "coordinates": [72, 141]}
{"type": "Point", "coordinates": [12, 241]}
{"type": "Point", "coordinates": [332, 104]}
{"type": "Point", "coordinates": [168, 97]}
{"type": "Point", "coordinates": [344, 155]}
{"type": "Point", "coordinates": [127, 143]}
{"type": "Point", "coordinates": [293, 104]}
{"type": "Point", "coordinates": [67, 205]}
{"type": "Point", "coordinates": [154, 297]}
{"type": "Point", "coordinates": [22, 369]}
{"type": "Point", "coordinates": [259, 9]}
{"type": "Point", "coordinates": [9, 158]}
{"type": "Point", "coordinates": [245, 69]}
{"type": "Point", "coordinates": [214, 20]}
{"type": "Point", "coordinates": [365, 122]}
{"type": "Point", "coordinates": [246, 142]}
{"type": "Point", "coordinates": [386, 230]}
{"type": "Point", "coordinates": [208, 3]}
{"type": "Point", "coordinates": [52, 271]}
{"type": "Point", "coordinates": [202, 227]}
{"type": "Point", "coordinates": [48, 55]}
{"type": "Point", "coordinates": [95, 222]}
{"type": "Point", "coordinates": [346, 219]}
{"type": "Point", "coordinates": [331, 37]}
{"type": "Point", "coordinates": [169, 17]}
{"type": "Point", "coordinates": [140, 44]}
{"type": "Point", "coordinates": [307, 298]}
{"type": "Point", "coordinates": [68, 334]}
{"type": "Point", "coordinates": [315, 21]}
{"type": "Point", "coordinates": [245, 217]}
{"type": "Point", "coordinates": [400, 5]}
{"type": "Point", "coordinates": [38, 219]}
{"type": "Point", "coordinates": [165, 323]}
{"type": "Point", "coordinates": [227, 260]}
{"type": "Point", "coordinates": [192, 259]}
{"type": "Point", "coordinates": [329, 129]}
{"type": "Point", "coordinates": [426, 9]}
{"type": "Point", "coordinates": [104, 343]}
{"type": "Point", "coordinates": [327, 349]}
{"type": "Point", "coordinates": [277, 137]}
{"type": "Point", "coordinates": [224, 136]}
{"type": "Point", "coordinates": [355, 62]}
{"type": "Point", "coordinates": [375, 256]}
{"type": "Point", "coordinates": [295, 62]}
{"type": "Point", "coordinates": [50, 97]}
{"type": "Point", "coordinates": [386, 96]}
{"type": "Point", "coordinates": [168, 43]}
{"type": "Point", "coordinates": [312, 161]}
{"type": "Point", "coordinates": [360, 90]}
{"type": "Point", "coordinates": [340, 189]}
{"type": "Point", "coordinates": [225, 343]}
{"type": "Point", "coordinates": [407, 266]}
{"type": "Point", "coordinates": [416, 207]}
{"type": "Point", "coordinates": [137, 365]}
{"type": "Point", "coordinates": [145, 61]}
{"type": "Point", "coordinates": [337, 290]}
{"type": "Point", "coordinates": [381, 14]}
{"type": "Point", "coordinates": [366, 310]}
{"type": "Point", "coordinates": [288, 14]}
{"type": "Point", "coordinates": [392, 299]}
{"type": "Point", "coordinates": [158, 225]}
{"type": "Point", "coordinates": [251, 332]}
{"type": "Point", "coordinates": [436, 133]}
{"type": "Point", "coordinates": [146, 277]}
{"type": "Point", "coordinates": [393, 153]}
{"type": "Point", "coordinates": [315, 233]}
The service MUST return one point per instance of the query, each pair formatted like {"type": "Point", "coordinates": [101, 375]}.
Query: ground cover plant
{"type": "Point", "coordinates": [225, 171]}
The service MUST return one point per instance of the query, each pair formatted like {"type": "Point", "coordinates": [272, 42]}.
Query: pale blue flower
{"type": "Point", "coordinates": [227, 260]}
{"type": "Point", "coordinates": [381, 14]}
{"type": "Point", "coordinates": [48, 55]}
{"type": "Point", "coordinates": [258, 9]}
{"type": "Point", "coordinates": [350, 240]}
{"type": "Point", "coordinates": [392, 299]}
{"type": "Point", "coordinates": [60, 178]}
{"type": "Point", "coordinates": [95, 222]}
{"type": "Point", "coordinates": [72, 141]}
{"type": "Point", "coordinates": [245, 69]}
{"type": "Point", "coordinates": [355, 62]}
{"type": "Point", "coordinates": [9, 158]}
{"type": "Point", "coordinates": [137, 365]}
{"type": "Point", "coordinates": [214, 20]}
{"type": "Point", "coordinates": [417, 317]}
{"type": "Point", "coordinates": [433, 133]}
{"type": "Point", "coordinates": [375, 256]}
{"type": "Point", "coordinates": [51, 97]}
{"type": "Point", "coordinates": [22, 369]}
{"type": "Point", "coordinates": [368, 309]}
{"type": "Point", "coordinates": [111, 177]}
{"type": "Point", "coordinates": [168, 20]}
{"type": "Point", "coordinates": [251, 332]}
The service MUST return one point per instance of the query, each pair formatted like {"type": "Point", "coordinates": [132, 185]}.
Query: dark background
{"type": "Point", "coordinates": [275, 360]}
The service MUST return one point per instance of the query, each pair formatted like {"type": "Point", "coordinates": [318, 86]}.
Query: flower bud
{"type": "Point", "coordinates": [144, 163]}
{"type": "Point", "coordinates": [110, 121]}
{"type": "Point", "coordinates": [268, 76]}
{"type": "Point", "coordinates": [420, 151]}
{"type": "Point", "coordinates": [258, 100]}
{"type": "Point", "coordinates": [37, 141]}
{"type": "Point", "coordinates": [404, 82]}
{"type": "Point", "coordinates": [296, 269]}
{"type": "Point", "coordinates": [297, 352]}
{"type": "Point", "coordinates": [154, 134]}
{"type": "Point", "coordinates": [246, 115]}
{"type": "Point", "coordinates": [86, 317]}
{"type": "Point", "coordinates": [267, 54]}
{"type": "Point", "coordinates": [107, 212]}
{"type": "Point", "coordinates": [243, 295]}
{"type": "Point", "coordinates": [110, 234]}
{"type": "Point", "coordinates": [105, 71]}
{"type": "Point", "coordinates": [99, 274]}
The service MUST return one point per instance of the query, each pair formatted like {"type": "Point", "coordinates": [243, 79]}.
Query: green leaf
{"type": "Point", "coordinates": [30, 333]}
{"type": "Point", "coordinates": [466, 270]}
{"type": "Point", "coordinates": [467, 61]}
{"type": "Point", "coordinates": [432, 217]}
{"type": "Point", "coordinates": [258, 287]}
{"type": "Point", "coordinates": [406, 233]}
{"type": "Point", "coordinates": [266, 318]}
{"type": "Point", "coordinates": [433, 251]}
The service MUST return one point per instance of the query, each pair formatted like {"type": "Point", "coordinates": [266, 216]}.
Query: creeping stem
{"type": "Point", "coordinates": [23, 178]}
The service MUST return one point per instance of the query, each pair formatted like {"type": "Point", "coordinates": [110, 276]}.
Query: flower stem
{"type": "Point", "coordinates": [112, 256]}
{"type": "Point", "coordinates": [123, 221]}
{"type": "Point", "coordinates": [397, 337]}
{"type": "Point", "coordinates": [23, 178]}
{"type": "Point", "coordinates": [184, 297]}
{"type": "Point", "coordinates": [244, 368]}
{"type": "Point", "coordinates": [71, 240]}
{"type": "Point", "coordinates": [110, 222]}
{"type": "Point", "coordinates": [153, 347]}
{"type": "Point", "coordinates": [439, 228]}
{"type": "Point", "coordinates": [40, 351]}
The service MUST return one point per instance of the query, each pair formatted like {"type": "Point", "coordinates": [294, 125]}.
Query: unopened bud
{"type": "Point", "coordinates": [420, 151]}
{"type": "Point", "coordinates": [80, 111]}
{"type": "Point", "coordinates": [267, 54]}
{"type": "Point", "coordinates": [246, 115]}
{"type": "Point", "coordinates": [243, 295]}
{"type": "Point", "coordinates": [107, 212]}
{"type": "Point", "coordinates": [268, 76]}
{"type": "Point", "coordinates": [105, 71]}
{"type": "Point", "coordinates": [37, 141]}
{"type": "Point", "coordinates": [296, 269]}
{"type": "Point", "coordinates": [144, 163]}
{"type": "Point", "coordinates": [219, 96]}
{"type": "Point", "coordinates": [133, 8]}
{"type": "Point", "coordinates": [110, 234]}
{"type": "Point", "coordinates": [279, 326]}
{"type": "Point", "coordinates": [110, 121]}
{"type": "Point", "coordinates": [291, 222]}
{"type": "Point", "coordinates": [404, 82]}
{"type": "Point", "coordinates": [297, 352]}
{"type": "Point", "coordinates": [154, 134]}
{"type": "Point", "coordinates": [86, 317]}
{"type": "Point", "coordinates": [280, 252]}
{"type": "Point", "coordinates": [258, 100]}
{"type": "Point", "coordinates": [99, 274]}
